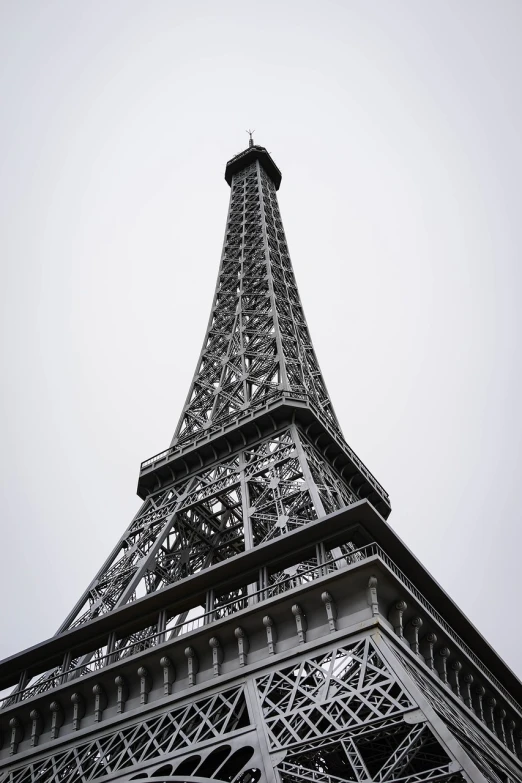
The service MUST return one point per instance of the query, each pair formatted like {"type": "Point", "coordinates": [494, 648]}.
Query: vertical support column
{"type": "Point", "coordinates": [263, 583]}
{"type": "Point", "coordinates": [283, 379]}
{"type": "Point", "coordinates": [257, 719]}
{"type": "Point", "coordinates": [209, 607]}
{"type": "Point", "coordinates": [320, 554]}
{"type": "Point", "coordinates": [66, 662]}
{"type": "Point", "coordinates": [162, 625]}
{"type": "Point", "coordinates": [252, 588]}
{"type": "Point", "coordinates": [111, 645]}
{"type": "Point", "coordinates": [245, 504]}
{"type": "Point", "coordinates": [22, 682]}
{"type": "Point", "coordinates": [307, 474]}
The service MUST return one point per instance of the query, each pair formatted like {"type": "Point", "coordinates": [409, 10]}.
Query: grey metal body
{"type": "Point", "coordinates": [258, 619]}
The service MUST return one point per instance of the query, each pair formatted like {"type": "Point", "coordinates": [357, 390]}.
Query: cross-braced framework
{"type": "Point", "coordinates": [187, 726]}
{"type": "Point", "coordinates": [257, 344]}
{"type": "Point", "coordinates": [343, 688]}
{"type": "Point", "coordinates": [294, 678]}
{"type": "Point", "coordinates": [494, 769]}
{"type": "Point", "coordinates": [339, 715]}
{"type": "Point", "coordinates": [344, 716]}
{"type": "Point", "coordinates": [278, 484]}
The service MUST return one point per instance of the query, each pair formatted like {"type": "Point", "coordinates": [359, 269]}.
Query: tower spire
{"type": "Point", "coordinates": [251, 139]}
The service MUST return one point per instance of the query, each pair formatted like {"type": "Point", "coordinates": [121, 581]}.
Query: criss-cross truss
{"type": "Point", "coordinates": [343, 716]}
{"type": "Point", "coordinates": [196, 722]}
{"type": "Point", "coordinates": [257, 344]}
{"type": "Point", "coordinates": [276, 485]}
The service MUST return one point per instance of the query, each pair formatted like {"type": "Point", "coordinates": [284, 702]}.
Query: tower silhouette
{"type": "Point", "coordinates": [259, 620]}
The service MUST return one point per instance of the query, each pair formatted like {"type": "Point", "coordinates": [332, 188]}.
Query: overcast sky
{"type": "Point", "coordinates": [397, 126]}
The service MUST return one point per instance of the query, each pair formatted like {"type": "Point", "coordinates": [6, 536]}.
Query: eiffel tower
{"type": "Point", "coordinates": [259, 620]}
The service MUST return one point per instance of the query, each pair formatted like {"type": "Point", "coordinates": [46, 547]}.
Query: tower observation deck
{"type": "Point", "coordinates": [259, 620]}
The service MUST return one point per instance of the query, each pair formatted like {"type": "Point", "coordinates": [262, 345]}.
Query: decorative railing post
{"type": "Point", "coordinates": [331, 610]}
{"type": "Point", "coordinates": [491, 703]}
{"type": "Point", "coordinates": [145, 684]}
{"type": "Point", "coordinates": [510, 729]}
{"type": "Point", "coordinates": [36, 727]}
{"type": "Point", "coordinates": [412, 633]}
{"type": "Point", "coordinates": [501, 717]}
{"type": "Point", "coordinates": [217, 655]}
{"type": "Point", "coordinates": [17, 734]}
{"type": "Point", "coordinates": [427, 648]}
{"type": "Point", "coordinates": [518, 744]}
{"type": "Point", "coordinates": [242, 645]}
{"type": "Point", "coordinates": [372, 596]}
{"type": "Point", "coordinates": [468, 699]}
{"type": "Point", "coordinates": [78, 709]}
{"type": "Point", "coordinates": [300, 621]}
{"type": "Point", "coordinates": [479, 693]}
{"type": "Point", "coordinates": [169, 675]}
{"type": "Point", "coordinates": [100, 701]}
{"type": "Point", "coordinates": [444, 654]}
{"type": "Point", "coordinates": [123, 693]}
{"type": "Point", "coordinates": [395, 617]}
{"type": "Point", "coordinates": [57, 718]}
{"type": "Point", "coordinates": [271, 634]}
{"type": "Point", "coordinates": [456, 668]}
{"type": "Point", "coordinates": [193, 664]}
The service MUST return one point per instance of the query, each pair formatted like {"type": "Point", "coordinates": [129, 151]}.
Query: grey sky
{"type": "Point", "coordinates": [397, 127]}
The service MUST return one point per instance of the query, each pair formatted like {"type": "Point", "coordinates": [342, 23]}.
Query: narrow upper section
{"type": "Point", "coordinates": [248, 156]}
{"type": "Point", "coordinates": [257, 346]}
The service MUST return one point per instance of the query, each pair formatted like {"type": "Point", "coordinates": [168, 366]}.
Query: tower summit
{"type": "Point", "coordinates": [259, 620]}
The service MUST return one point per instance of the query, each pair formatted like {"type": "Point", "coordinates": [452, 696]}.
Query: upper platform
{"type": "Point", "coordinates": [279, 411]}
{"type": "Point", "coordinates": [248, 156]}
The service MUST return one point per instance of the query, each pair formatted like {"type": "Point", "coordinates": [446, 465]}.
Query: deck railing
{"type": "Point", "coordinates": [188, 625]}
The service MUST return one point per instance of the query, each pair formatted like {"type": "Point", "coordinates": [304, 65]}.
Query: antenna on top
{"type": "Point", "coordinates": [251, 140]}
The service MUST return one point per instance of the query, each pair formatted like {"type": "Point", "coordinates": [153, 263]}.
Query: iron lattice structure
{"type": "Point", "coordinates": [259, 620]}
